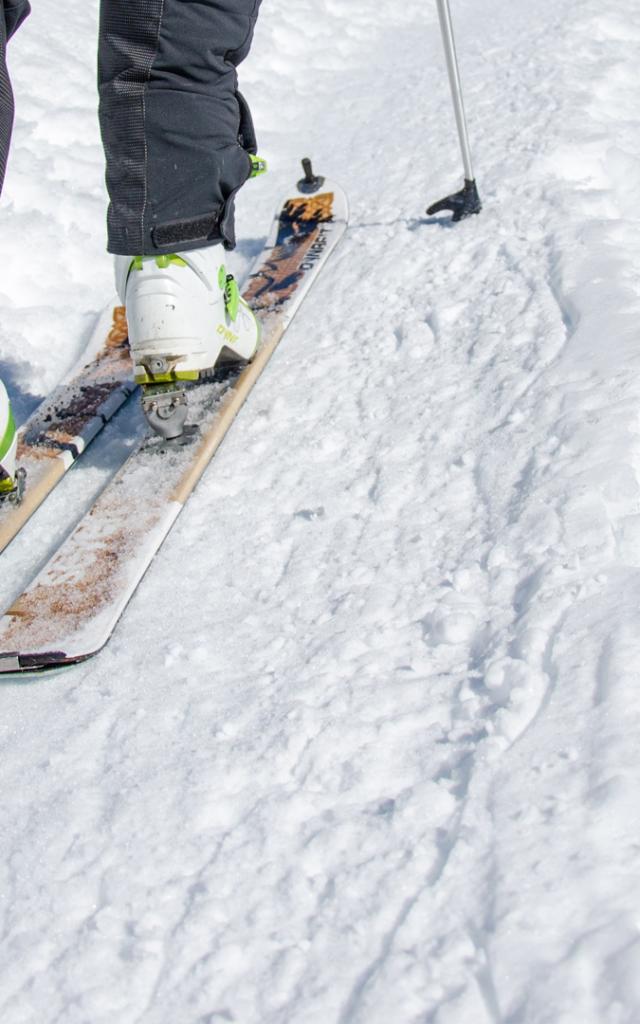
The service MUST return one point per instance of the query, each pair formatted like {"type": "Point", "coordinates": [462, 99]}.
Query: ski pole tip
{"type": "Point", "coordinates": [464, 203]}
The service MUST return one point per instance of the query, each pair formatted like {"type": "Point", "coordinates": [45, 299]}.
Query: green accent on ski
{"type": "Point", "coordinates": [258, 166]}
{"type": "Point", "coordinates": [165, 261]}
{"type": "Point", "coordinates": [166, 378]}
{"type": "Point", "coordinates": [162, 262]}
{"type": "Point", "coordinates": [9, 434]}
{"type": "Point", "coordinates": [6, 485]}
{"type": "Point", "coordinates": [232, 297]}
{"type": "Point", "coordinates": [222, 278]}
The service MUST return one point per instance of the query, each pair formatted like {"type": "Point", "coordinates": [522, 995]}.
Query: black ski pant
{"type": "Point", "coordinates": [12, 12]}
{"type": "Point", "coordinates": [177, 134]}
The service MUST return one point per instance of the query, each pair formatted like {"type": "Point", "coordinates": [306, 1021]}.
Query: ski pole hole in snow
{"type": "Point", "coordinates": [309, 514]}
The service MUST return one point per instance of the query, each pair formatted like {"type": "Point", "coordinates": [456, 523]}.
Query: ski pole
{"type": "Point", "coordinates": [467, 201]}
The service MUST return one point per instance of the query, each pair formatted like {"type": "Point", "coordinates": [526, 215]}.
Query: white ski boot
{"type": "Point", "coordinates": [184, 312]}
{"type": "Point", "coordinates": [9, 478]}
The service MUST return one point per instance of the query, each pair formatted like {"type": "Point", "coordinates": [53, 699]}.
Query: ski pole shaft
{"type": "Point", "coordinates": [466, 202]}
{"type": "Point", "coordinates": [448, 40]}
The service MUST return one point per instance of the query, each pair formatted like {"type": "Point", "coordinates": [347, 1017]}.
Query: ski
{"type": "Point", "coordinates": [71, 608]}
{"type": "Point", "coordinates": [66, 422]}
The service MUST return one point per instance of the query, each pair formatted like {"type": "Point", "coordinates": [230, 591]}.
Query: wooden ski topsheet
{"type": "Point", "coordinates": [72, 607]}
{"type": "Point", "coordinates": [68, 420]}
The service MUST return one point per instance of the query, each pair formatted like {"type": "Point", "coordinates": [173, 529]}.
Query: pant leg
{"type": "Point", "coordinates": [175, 130]}
{"type": "Point", "coordinates": [12, 13]}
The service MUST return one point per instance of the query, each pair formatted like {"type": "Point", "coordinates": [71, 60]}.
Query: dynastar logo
{"type": "Point", "coordinates": [316, 250]}
{"type": "Point", "coordinates": [228, 335]}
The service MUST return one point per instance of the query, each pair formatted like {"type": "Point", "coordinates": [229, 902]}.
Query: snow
{"type": "Point", "coordinates": [364, 747]}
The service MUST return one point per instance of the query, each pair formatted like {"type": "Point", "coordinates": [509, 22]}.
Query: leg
{"type": "Point", "coordinates": [12, 13]}
{"type": "Point", "coordinates": [177, 137]}
{"type": "Point", "coordinates": [175, 130]}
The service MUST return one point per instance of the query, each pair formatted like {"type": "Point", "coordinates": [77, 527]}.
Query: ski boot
{"type": "Point", "coordinates": [184, 313]}
{"type": "Point", "coordinates": [11, 480]}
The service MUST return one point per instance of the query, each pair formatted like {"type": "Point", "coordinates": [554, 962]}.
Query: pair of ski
{"type": "Point", "coordinates": [71, 608]}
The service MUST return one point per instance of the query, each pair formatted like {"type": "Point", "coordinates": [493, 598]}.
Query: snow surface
{"type": "Point", "coordinates": [365, 745]}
